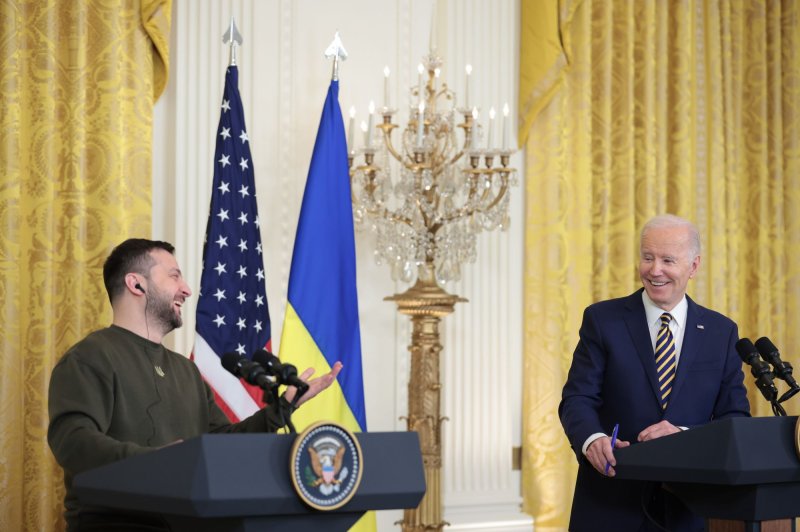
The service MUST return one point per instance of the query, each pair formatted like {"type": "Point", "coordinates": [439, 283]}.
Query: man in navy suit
{"type": "Point", "coordinates": [615, 378]}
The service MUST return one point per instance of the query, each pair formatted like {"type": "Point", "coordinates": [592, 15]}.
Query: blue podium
{"type": "Point", "coordinates": [241, 482]}
{"type": "Point", "coordinates": [737, 473]}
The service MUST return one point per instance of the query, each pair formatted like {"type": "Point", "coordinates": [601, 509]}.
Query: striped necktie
{"type": "Point", "coordinates": [665, 359]}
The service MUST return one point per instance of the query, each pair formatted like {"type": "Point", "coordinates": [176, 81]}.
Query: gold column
{"type": "Point", "coordinates": [426, 303]}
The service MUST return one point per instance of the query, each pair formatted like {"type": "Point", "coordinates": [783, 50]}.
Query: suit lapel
{"type": "Point", "coordinates": [692, 343]}
{"type": "Point", "coordinates": [636, 321]}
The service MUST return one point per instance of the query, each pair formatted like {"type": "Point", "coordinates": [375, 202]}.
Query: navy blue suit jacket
{"type": "Point", "coordinates": [613, 380]}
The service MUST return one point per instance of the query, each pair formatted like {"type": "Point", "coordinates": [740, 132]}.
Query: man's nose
{"type": "Point", "coordinates": [655, 268]}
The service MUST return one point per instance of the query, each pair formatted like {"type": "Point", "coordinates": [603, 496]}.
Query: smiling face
{"type": "Point", "coordinates": [166, 290]}
{"type": "Point", "coordinates": [667, 261]}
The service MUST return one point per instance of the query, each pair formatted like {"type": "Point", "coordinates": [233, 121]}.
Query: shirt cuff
{"type": "Point", "coordinates": [590, 439]}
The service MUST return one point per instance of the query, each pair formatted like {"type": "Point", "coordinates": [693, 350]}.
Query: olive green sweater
{"type": "Point", "coordinates": [115, 394]}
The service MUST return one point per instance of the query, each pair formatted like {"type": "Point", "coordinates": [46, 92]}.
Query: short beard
{"type": "Point", "coordinates": [163, 312]}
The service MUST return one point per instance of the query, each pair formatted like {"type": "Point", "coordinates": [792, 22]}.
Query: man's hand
{"type": "Point", "coordinates": [314, 386]}
{"type": "Point", "coordinates": [599, 453]}
{"type": "Point", "coordinates": [662, 428]}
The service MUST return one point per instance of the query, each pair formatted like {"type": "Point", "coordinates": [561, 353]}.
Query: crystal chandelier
{"type": "Point", "coordinates": [427, 194]}
{"type": "Point", "coordinates": [430, 192]}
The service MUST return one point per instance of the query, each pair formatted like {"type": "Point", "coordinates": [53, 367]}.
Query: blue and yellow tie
{"type": "Point", "coordinates": [665, 359]}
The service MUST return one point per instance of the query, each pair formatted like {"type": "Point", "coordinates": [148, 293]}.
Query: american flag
{"type": "Point", "coordinates": [232, 311]}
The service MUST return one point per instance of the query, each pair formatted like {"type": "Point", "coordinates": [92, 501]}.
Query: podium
{"type": "Point", "coordinates": [739, 473]}
{"type": "Point", "coordinates": [241, 482]}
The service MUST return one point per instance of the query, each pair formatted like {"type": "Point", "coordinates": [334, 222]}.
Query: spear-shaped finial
{"type": "Point", "coordinates": [234, 38]}
{"type": "Point", "coordinates": [337, 51]}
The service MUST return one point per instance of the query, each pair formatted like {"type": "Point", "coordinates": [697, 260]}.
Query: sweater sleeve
{"type": "Point", "coordinates": [80, 406]}
{"type": "Point", "coordinates": [268, 419]}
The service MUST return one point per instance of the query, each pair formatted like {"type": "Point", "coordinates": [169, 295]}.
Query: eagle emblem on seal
{"type": "Point", "coordinates": [327, 457]}
{"type": "Point", "coordinates": [326, 466]}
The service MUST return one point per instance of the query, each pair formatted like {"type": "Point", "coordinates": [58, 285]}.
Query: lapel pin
{"type": "Point", "coordinates": [701, 327]}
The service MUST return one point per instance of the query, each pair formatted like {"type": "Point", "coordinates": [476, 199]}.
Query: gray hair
{"type": "Point", "coordinates": [670, 220]}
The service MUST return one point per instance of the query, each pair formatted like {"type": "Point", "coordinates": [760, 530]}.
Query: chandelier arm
{"type": "Point", "coordinates": [443, 91]}
{"type": "Point", "coordinates": [464, 211]}
{"type": "Point", "coordinates": [501, 192]}
{"type": "Point", "coordinates": [386, 214]}
{"type": "Point", "coordinates": [439, 162]}
{"type": "Point", "coordinates": [437, 198]}
{"type": "Point", "coordinates": [485, 195]}
{"type": "Point", "coordinates": [458, 155]}
{"type": "Point", "coordinates": [387, 140]}
{"type": "Point", "coordinates": [463, 149]}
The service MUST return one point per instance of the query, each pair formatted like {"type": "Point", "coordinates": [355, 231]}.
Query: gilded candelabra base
{"type": "Point", "coordinates": [426, 303]}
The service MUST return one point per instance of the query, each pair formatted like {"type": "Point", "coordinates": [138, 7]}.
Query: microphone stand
{"type": "Point", "coordinates": [783, 371]}
{"type": "Point", "coordinates": [763, 377]}
{"type": "Point", "coordinates": [284, 407]}
{"type": "Point", "coordinates": [789, 393]}
{"type": "Point", "coordinates": [777, 409]}
{"type": "Point", "coordinates": [284, 377]}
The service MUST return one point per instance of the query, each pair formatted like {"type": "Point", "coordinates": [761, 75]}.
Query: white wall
{"type": "Point", "coordinates": [283, 79]}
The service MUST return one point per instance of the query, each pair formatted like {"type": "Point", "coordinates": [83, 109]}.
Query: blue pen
{"type": "Point", "coordinates": [613, 442]}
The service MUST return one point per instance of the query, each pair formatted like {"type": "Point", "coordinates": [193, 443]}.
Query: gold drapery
{"type": "Point", "coordinates": [78, 80]}
{"type": "Point", "coordinates": [691, 108]}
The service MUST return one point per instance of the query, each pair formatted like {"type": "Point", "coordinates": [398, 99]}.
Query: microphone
{"type": "Point", "coordinates": [284, 373]}
{"type": "Point", "coordinates": [759, 369]}
{"type": "Point", "coordinates": [252, 372]}
{"type": "Point", "coordinates": [781, 369]}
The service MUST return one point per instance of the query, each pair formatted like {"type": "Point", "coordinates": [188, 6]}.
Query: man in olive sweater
{"type": "Point", "coordinates": [119, 392]}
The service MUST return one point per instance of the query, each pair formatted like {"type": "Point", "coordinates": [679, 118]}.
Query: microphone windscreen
{"type": "Point", "coordinates": [765, 346]}
{"type": "Point", "coordinates": [267, 359]}
{"type": "Point", "coordinates": [262, 356]}
{"type": "Point", "coordinates": [746, 349]}
{"type": "Point", "coordinates": [230, 361]}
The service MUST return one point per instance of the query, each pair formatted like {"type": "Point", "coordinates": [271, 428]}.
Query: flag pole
{"type": "Point", "coordinates": [336, 50]}
{"type": "Point", "coordinates": [234, 39]}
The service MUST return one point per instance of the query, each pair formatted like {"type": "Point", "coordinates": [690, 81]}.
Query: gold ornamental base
{"type": "Point", "coordinates": [426, 303]}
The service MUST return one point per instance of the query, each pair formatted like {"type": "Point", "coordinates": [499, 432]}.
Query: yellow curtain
{"type": "Point", "coordinates": [684, 107]}
{"type": "Point", "coordinates": [78, 82]}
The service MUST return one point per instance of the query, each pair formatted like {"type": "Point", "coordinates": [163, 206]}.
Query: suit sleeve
{"type": "Point", "coordinates": [582, 394]}
{"type": "Point", "coordinates": [732, 398]}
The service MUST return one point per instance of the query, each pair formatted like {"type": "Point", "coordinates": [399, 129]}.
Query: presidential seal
{"type": "Point", "coordinates": [326, 465]}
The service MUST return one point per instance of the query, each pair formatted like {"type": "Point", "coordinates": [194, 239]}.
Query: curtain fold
{"type": "Point", "coordinates": [682, 107]}
{"type": "Point", "coordinates": [544, 45]}
{"type": "Point", "coordinates": [79, 80]}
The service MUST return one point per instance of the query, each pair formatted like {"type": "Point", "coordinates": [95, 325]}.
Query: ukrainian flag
{"type": "Point", "coordinates": [321, 323]}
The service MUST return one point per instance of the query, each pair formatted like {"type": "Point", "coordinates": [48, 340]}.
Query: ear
{"type": "Point", "coordinates": [133, 283]}
{"type": "Point", "coordinates": [695, 266]}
